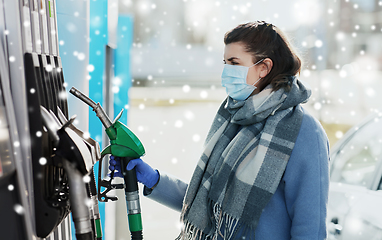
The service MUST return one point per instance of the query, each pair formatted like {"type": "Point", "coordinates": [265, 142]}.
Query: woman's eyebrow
{"type": "Point", "coordinates": [232, 58]}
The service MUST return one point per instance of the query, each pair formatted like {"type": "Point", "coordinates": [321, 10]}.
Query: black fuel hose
{"type": "Point", "coordinates": [132, 200]}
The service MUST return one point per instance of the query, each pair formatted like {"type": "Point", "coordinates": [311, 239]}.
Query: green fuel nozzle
{"type": "Point", "coordinates": [127, 146]}
{"type": "Point", "coordinates": [123, 142]}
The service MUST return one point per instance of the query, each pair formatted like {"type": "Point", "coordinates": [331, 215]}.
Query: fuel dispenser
{"type": "Point", "coordinates": [13, 201]}
{"type": "Point", "coordinates": [46, 163]}
{"type": "Point", "coordinates": [43, 88]}
{"type": "Point", "coordinates": [43, 156]}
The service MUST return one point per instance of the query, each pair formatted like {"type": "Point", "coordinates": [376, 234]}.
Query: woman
{"type": "Point", "coordinates": [264, 171]}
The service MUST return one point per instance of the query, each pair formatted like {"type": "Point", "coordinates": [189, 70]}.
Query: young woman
{"type": "Point", "coordinates": [264, 171]}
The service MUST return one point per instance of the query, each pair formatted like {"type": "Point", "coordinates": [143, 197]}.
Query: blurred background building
{"type": "Point", "coordinates": [181, 43]}
{"type": "Point", "coordinates": [329, 34]}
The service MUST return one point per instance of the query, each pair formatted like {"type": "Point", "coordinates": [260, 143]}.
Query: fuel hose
{"type": "Point", "coordinates": [132, 200]}
{"type": "Point", "coordinates": [95, 215]}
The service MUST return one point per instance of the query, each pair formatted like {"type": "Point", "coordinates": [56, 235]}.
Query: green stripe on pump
{"type": "Point", "coordinates": [98, 228]}
{"type": "Point", "coordinates": [50, 10]}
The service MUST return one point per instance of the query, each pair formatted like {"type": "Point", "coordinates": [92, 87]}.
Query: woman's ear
{"type": "Point", "coordinates": [266, 67]}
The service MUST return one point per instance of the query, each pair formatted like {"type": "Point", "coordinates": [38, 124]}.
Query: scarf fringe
{"type": "Point", "coordinates": [226, 228]}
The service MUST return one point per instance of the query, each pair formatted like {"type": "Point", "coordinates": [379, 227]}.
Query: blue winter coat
{"type": "Point", "coordinates": [297, 210]}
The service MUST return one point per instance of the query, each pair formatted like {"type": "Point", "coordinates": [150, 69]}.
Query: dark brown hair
{"type": "Point", "coordinates": [264, 40]}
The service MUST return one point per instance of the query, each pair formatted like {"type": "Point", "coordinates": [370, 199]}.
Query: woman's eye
{"type": "Point", "coordinates": [234, 63]}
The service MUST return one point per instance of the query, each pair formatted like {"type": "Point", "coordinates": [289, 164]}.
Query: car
{"type": "Point", "coordinates": [355, 196]}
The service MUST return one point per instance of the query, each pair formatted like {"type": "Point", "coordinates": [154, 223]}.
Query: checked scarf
{"type": "Point", "coordinates": [245, 156]}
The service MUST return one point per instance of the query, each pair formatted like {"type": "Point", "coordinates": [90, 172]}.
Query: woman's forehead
{"type": "Point", "coordinates": [236, 50]}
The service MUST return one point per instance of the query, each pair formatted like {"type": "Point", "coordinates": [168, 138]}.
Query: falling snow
{"type": "Point", "coordinates": [178, 123]}
{"type": "Point", "coordinates": [90, 68]}
{"type": "Point", "coordinates": [186, 88]}
{"type": "Point", "coordinates": [88, 202]}
{"type": "Point", "coordinates": [43, 161]}
{"type": "Point", "coordinates": [48, 68]}
{"type": "Point", "coordinates": [63, 95]}
{"type": "Point", "coordinates": [19, 209]}
{"type": "Point", "coordinates": [86, 179]}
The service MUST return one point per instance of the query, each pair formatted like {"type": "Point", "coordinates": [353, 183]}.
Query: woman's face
{"type": "Point", "coordinates": [235, 54]}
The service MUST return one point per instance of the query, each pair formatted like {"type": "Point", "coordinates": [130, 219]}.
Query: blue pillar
{"type": "Point", "coordinates": [122, 65]}
{"type": "Point", "coordinates": [98, 40]}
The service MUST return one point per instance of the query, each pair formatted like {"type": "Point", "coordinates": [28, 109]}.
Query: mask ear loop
{"type": "Point", "coordinates": [257, 63]}
{"type": "Point", "coordinates": [254, 65]}
{"type": "Point", "coordinates": [256, 82]}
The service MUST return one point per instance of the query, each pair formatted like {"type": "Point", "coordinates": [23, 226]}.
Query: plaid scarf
{"type": "Point", "coordinates": [245, 156]}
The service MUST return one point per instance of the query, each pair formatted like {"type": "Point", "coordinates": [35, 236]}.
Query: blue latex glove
{"type": "Point", "coordinates": [145, 173]}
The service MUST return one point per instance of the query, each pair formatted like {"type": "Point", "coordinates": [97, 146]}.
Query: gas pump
{"type": "Point", "coordinates": [45, 177]}
{"type": "Point", "coordinates": [13, 202]}
{"type": "Point", "coordinates": [51, 203]}
{"type": "Point", "coordinates": [40, 169]}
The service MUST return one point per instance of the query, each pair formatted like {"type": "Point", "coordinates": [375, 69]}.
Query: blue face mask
{"type": "Point", "coordinates": [234, 79]}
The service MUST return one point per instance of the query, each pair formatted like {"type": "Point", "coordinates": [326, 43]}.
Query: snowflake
{"type": "Point", "coordinates": [196, 137]}
{"type": "Point", "coordinates": [186, 88]}
{"type": "Point", "coordinates": [178, 123]}
{"type": "Point", "coordinates": [189, 115]}
{"type": "Point", "coordinates": [317, 106]}
{"type": "Point", "coordinates": [86, 179]}
{"type": "Point", "coordinates": [86, 135]}
{"type": "Point", "coordinates": [339, 134]}
{"type": "Point", "coordinates": [90, 68]}
{"type": "Point", "coordinates": [318, 43]}
{"type": "Point", "coordinates": [19, 209]}
{"type": "Point", "coordinates": [203, 94]}
{"type": "Point", "coordinates": [42, 161]}
{"type": "Point", "coordinates": [81, 56]}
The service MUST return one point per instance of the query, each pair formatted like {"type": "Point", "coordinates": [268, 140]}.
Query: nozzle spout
{"type": "Point", "coordinates": [83, 97]}
{"type": "Point", "coordinates": [100, 112]}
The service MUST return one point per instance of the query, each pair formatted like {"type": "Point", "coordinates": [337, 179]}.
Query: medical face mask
{"type": "Point", "coordinates": [234, 79]}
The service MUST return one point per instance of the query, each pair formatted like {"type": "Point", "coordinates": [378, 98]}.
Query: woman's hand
{"type": "Point", "coordinates": [145, 173]}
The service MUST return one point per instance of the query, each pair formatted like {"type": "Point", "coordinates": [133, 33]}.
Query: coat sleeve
{"type": "Point", "coordinates": [307, 182]}
{"type": "Point", "coordinates": [170, 191]}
